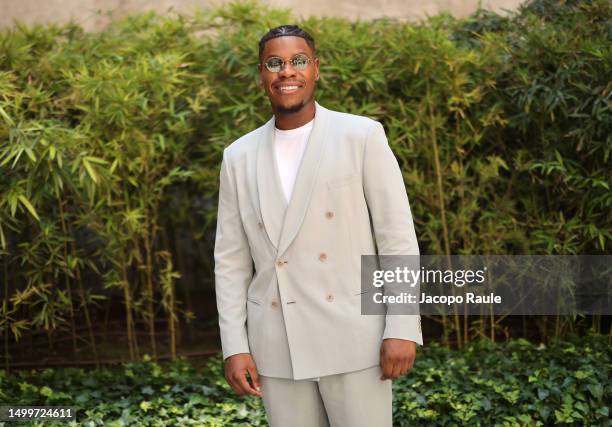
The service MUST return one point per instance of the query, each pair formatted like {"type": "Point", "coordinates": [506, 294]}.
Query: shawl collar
{"type": "Point", "coordinates": [281, 220]}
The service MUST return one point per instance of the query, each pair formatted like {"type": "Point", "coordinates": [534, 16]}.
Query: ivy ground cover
{"type": "Point", "coordinates": [516, 383]}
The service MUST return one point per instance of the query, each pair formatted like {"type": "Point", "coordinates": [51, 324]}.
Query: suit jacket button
{"type": "Point", "coordinates": [323, 257]}
{"type": "Point", "coordinates": [329, 215]}
{"type": "Point", "coordinates": [274, 304]}
{"type": "Point", "coordinates": [329, 297]}
{"type": "Point", "coordinates": [260, 225]}
{"type": "Point", "coordinates": [280, 262]}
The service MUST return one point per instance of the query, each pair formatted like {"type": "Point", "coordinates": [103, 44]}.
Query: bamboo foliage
{"type": "Point", "coordinates": [110, 145]}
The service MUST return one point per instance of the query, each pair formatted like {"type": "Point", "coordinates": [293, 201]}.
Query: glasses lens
{"type": "Point", "coordinates": [300, 62]}
{"type": "Point", "coordinates": [274, 64]}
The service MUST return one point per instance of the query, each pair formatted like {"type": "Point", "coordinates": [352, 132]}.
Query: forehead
{"type": "Point", "coordinates": [285, 47]}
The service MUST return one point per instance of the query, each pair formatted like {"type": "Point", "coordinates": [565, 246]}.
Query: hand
{"type": "Point", "coordinates": [396, 357]}
{"type": "Point", "coordinates": [236, 368]}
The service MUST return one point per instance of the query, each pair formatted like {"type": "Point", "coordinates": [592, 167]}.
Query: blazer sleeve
{"type": "Point", "coordinates": [391, 219]}
{"type": "Point", "coordinates": [233, 266]}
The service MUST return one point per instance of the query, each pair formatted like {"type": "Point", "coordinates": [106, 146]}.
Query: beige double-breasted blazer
{"type": "Point", "coordinates": [288, 274]}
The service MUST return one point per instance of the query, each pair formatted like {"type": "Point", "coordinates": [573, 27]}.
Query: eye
{"type": "Point", "coordinates": [273, 64]}
{"type": "Point", "coordinates": [300, 61]}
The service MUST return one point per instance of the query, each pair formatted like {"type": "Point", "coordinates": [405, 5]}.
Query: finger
{"type": "Point", "coordinates": [239, 380]}
{"type": "Point", "coordinates": [244, 384]}
{"type": "Point", "coordinates": [387, 368]}
{"type": "Point", "coordinates": [405, 366]}
{"type": "Point", "coordinates": [397, 368]}
{"type": "Point", "coordinates": [383, 363]}
{"type": "Point", "coordinates": [254, 380]}
{"type": "Point", "coordinates": [410, 364]}
{"type": "Point", "coordinates": [233, 385]}
{"type": "Point", "coordinates": [228, 379]}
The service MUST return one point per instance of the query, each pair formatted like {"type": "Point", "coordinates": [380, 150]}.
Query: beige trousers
{"type": "Point", "coordinates": [352, 399]}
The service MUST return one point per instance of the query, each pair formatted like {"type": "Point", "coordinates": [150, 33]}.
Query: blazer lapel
{"type": "Point", "coordinates": [272, 201]}
{"type": "Point", "coordinates": [305, 179]}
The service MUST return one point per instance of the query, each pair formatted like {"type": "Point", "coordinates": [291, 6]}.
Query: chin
{"type": "Point", "coordinates": [291, 108]}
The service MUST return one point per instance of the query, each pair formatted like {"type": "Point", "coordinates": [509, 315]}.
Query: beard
{"type": "Point", "coordinates": [291, 109]}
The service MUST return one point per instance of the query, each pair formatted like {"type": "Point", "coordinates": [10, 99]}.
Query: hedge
{"type": "Point", "coordinates": [110, 144]}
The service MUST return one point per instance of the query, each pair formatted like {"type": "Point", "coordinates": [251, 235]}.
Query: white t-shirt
{"type": "Point", "coordinates": [289, 146]}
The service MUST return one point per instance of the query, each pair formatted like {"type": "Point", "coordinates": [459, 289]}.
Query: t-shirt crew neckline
{"type": "Point", "coordinates": [289, 147]}
{"type": "Point", "coordinates": [300, 129]}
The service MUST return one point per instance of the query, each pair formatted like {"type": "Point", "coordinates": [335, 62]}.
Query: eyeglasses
{"type": "Point", "coordinates": [299, 62]}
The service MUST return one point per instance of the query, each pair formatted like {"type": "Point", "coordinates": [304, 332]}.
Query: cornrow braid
{"type": "Point", "coordinates": [284, 31]}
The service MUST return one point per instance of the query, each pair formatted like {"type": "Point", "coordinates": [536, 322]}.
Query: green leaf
{"type": "Point", "coordinates": [596, 390]}
{"type": "Point", "coordinates": [90, 171]}
{"type": "Point", "coordinates": [96, 160]}
{"type": "Point", "coordinates": [543, 393]}
{"type": "Point", "coordinates": [582, 374]}
{"type": "Point", "coordinates": [82, 397]}
{"type": "Point", "coordinates": [26, 203]}
{"type": "Point", "coordinates": [2, 238]}
{"type": "Point", "coordinates": [6, 117]}
{"type": "Point", "coordinates": [46, 391]}
{"type": "Point", "coordinates": [30, 153]}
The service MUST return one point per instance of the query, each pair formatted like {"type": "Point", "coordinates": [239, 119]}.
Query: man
{"type": "Point", "coordinates": [302, 198]}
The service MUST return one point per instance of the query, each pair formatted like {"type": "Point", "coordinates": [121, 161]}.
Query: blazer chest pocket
{"type": "Point", "coordinates": [343, 181]}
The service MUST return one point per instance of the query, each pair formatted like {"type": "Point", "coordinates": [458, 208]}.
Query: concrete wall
{"type": "Point", "coordinates": [95, 14]}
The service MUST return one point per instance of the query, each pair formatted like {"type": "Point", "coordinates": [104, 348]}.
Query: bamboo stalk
{"type": "Point", "coordinates": [146, 239]}
{"type": "Point", "coordinates": [439, 185]}
{"type": "Point", "coordinates": [67, 229]}
{"type": "Point", "coordinates": [60, 204]}
{"type": "Point", "coordinates": [6, 330]}
{"type": "Point", "coordinates": [186, 288]}
{"type": "Point", "coordinates": [149, 296]}
{"type": "Point", "coordinates": [173, 327]}
{"type": "Point", "coordinates": [463, 228]}
{"type": "Point", "coordinates": [92, 338]}
{"type": "Point", "coordinates": [128, 313]}
{"type": "Point", "coordinates": [171, 323]}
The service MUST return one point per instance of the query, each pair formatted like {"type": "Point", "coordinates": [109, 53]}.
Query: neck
{"type": "Point", "coordinates": [286, 121]}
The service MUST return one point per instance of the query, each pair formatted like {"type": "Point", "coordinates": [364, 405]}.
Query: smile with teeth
{"type": "Point", "coordinates": [288, 88]}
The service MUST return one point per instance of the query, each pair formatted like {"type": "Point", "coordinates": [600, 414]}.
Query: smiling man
{"type": "Point", "coordinates": [301, 199]}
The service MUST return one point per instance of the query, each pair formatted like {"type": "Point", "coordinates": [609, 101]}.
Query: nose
{"type": "Point", "coordinates": [286, 70]}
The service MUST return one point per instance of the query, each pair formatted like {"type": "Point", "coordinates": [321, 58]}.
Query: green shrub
{"type": "Point", "coordinates": [110, 143]}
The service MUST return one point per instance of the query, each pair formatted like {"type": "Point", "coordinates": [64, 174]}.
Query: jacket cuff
{"type": "Point", "coordinates": [235, 343]}
{"type": "Point", "coordinates": [404, 327]}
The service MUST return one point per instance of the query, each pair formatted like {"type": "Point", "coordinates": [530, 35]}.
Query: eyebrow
{"type": "Point", "coordinates": [279, 56]}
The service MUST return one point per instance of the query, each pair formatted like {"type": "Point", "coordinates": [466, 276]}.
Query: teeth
{"type": "Point", "coordinates": [287, 88]}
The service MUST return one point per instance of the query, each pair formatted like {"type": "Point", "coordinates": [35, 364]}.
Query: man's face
{"type": "Point", "coordinates": [289, 89]}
